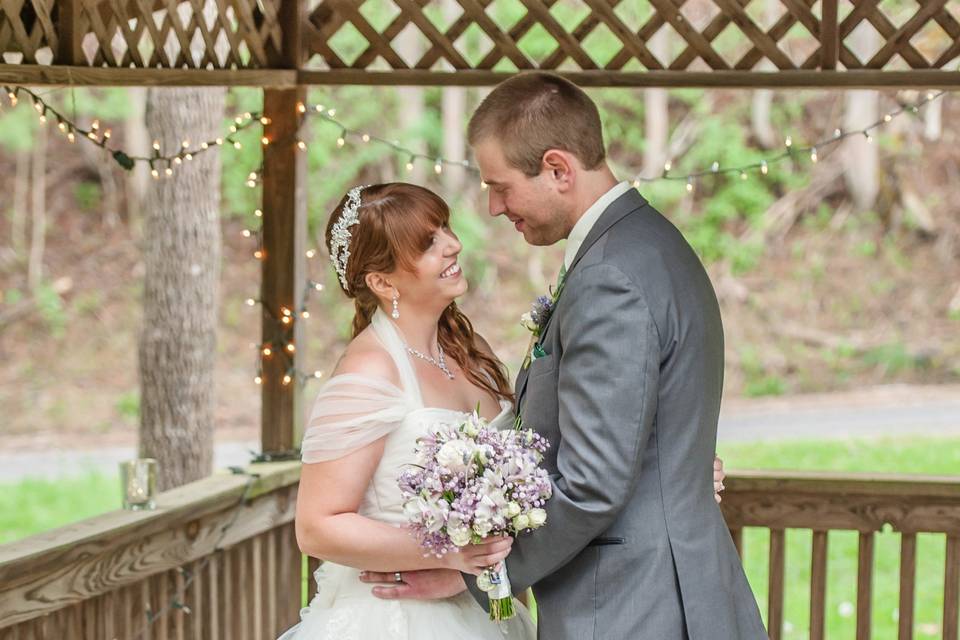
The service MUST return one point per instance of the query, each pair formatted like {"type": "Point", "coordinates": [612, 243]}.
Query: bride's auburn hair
{"type": "Point", "coordinates": [396, 226]}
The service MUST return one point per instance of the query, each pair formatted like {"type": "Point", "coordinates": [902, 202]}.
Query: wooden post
{"type": "Point", "coordinates": [284, 236]}
{"type": "Point", "coordinates": [68, 33]}
{"type": "Point", "coordinates": [829, 39]}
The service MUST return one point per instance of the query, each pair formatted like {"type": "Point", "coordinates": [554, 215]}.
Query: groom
{"type": "Point", "coordinates": [625, 383]}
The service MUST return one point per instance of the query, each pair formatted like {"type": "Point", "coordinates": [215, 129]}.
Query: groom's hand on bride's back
{"type": "Point", "coordinates": [426, 584]}
{"type": "Point", "coordinates": [431, 584]}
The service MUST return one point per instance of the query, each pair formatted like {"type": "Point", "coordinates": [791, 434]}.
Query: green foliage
{"type": "Point", "coordinates": [87, 195]}
{"type": "Point", "coordinates": [759, 382]}
{"type": "Point", "coordinates": [128, 404]}
{"type": "Point", "coordinates": [51, 308]}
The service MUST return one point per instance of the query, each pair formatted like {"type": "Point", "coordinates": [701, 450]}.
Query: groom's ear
{"type": "Point", "coordinates": [560, 168]}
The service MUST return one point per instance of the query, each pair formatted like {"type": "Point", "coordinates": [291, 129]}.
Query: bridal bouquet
{"type": "Point", "coordinates": [472, 481]}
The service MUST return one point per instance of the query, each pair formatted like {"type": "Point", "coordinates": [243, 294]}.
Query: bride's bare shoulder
{"type": "Point", "coordinates": [366, 356]}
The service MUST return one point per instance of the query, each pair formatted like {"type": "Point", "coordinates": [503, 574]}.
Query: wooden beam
{"type": "Point", "coordinates": [801, 79]}
{"type": "Point", "coordinates": [283, 285]}
{"type": "Point", "coordinates": [68, 50]}
{"type": "Point", "coordinates": [284, 270]}
{"type": "Point", "coordinates": [61, 75]}
{"type": "Point", "coordinates": [829, 40]}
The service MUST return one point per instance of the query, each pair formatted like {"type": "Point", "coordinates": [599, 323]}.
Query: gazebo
{"type": "Point", "coordinates": [218, 558]}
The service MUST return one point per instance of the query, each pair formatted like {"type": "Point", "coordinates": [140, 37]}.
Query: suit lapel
{"type": "Point", "coordinates": [627, 203]}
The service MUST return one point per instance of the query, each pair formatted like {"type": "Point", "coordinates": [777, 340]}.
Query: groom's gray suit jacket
{"type": "Point", "coordinates": [628, 394]}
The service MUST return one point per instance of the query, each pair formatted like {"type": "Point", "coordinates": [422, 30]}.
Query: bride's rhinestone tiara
{"type": "Point", "coordinates": [340, 234]}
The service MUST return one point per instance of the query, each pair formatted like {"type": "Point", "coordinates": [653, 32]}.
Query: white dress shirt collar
{"type": "Point", "coordinates": [580, 230]}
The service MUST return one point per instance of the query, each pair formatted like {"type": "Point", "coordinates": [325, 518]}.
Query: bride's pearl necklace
{"type": "Point", "coordinates": [441, 363]}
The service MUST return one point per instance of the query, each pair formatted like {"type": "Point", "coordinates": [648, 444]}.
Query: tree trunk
{"type": "Point", "coordinates": [933, 120]}
{"type": "Point", "coordinates": [656, 126]}
{"type": "Point", "coordinates": [138, 143]}
{"type": "Point", "coordinates": [182, 247]}
{"type": "Point", "coordinates": [38, 206]}
{"type": "Point", "coordinates": [18, 222]}
{"type": "Point", "coordinates": [860, 158]}
{"type": "Point", "coordinates": [412, 110]}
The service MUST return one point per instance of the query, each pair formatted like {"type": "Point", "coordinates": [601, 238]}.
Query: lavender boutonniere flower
{"type": "Point", "coordinates": [535, 320]}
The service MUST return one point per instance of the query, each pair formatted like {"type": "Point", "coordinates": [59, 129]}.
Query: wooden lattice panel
{"type": "Point", "coordinates": [169, 34]}
{"type": "Point", "coordinates": [26, 27]}
{"type": "Point", "coordinates": [625, 35]}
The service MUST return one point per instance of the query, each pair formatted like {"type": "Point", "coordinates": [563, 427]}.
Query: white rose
{"type": "Point", "coordinates": [513, 509]}
{"type": "Point", "coordinates": [459, 536]}
{"type": "Point", "coordinates": [526, 321]}
{"type": "Point", "coordinates": [482, 527]}
{"type": "Point", "coordinates": [521, 522]}
{"type": "Point", "coordinates": [537, 518]}
{"type": "Point", "coordinates": [454, 455]}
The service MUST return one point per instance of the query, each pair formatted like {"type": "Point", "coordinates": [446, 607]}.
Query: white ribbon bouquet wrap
{"type": "Point", "coordinates": [472, 481]}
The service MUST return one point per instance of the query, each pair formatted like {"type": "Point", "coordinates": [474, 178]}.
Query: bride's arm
{"type": "Point", "coordinates": [329, 527]}
{"type": "Point", "coordinates": [327, 523]}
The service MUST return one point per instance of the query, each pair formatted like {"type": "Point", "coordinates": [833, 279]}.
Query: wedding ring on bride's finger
{"type": "Point", "coordinates": [397, 577]}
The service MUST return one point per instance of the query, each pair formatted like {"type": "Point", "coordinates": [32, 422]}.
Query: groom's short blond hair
{"type": "Point", "coordinates": [531, 113]}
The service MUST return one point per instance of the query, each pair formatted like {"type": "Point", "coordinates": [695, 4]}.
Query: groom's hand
{"type": "Point", "coordinates": [428, 584]}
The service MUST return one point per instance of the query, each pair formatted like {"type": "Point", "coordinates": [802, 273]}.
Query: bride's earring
{"type": "Point", "coordinates": [396, 306]}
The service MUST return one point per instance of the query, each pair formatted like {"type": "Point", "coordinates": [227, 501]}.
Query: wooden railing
{"type": "Point", "coordinates": [866, 504]}
{"type": "Point", "coordinates": [219, 559]}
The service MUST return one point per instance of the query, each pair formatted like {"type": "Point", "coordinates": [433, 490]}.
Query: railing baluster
{"type": "Point", "coordinates": [908, 577]}
{"type": "Point", "coordinates": [737, 535]}
{"type": "Point", "coordinates": [775, 593]}
{"type": "Point", "coordinates": [864, 584]}
{"type": "Point", "coordinates": [818, 584]}
{"type": "Point", "coordinates": [951, 588]}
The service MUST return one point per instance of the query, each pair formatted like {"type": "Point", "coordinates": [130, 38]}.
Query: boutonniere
{"type": "Point", "coordinates": [535, 320]}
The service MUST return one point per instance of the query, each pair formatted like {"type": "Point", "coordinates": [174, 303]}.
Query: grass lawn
{"type": "Point", "coordinates": [921, 456]}
{"type": "Point", "coordinates": [30, 506]}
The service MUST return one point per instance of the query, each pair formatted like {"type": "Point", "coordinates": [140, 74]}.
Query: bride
{"type": "Point", "coordinates": [414, 360]}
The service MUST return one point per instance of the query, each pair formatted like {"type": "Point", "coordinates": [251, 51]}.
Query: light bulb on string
{"type": "Point", "coordinates": [365, 137]}
{"type": "Point", "coordinates": [264, 120]}
{"type": "Point", "coordinates": [311, 253]}
{"type": "Point", "coordinates": [764, 168]}
{"type": "Point", "coordinates": [301, 108]}
{"type": "Point", "coordinates": [71, 137]}
{"type": "Point", "coordinates": [743, 175]}
{"type": "Point", "coordinates": [237, 145]}
{"type": "Point", "coordinates": [264, 140]}
{"type": "Point", "coordinates": [286, 379]}
{"type": "Point", "coordinates": [715, 167]}
{"type": "Point", "coordinates": [689, 186]}
{"type": "Point", "coordinates": [291, 348]}
{"type": "Point", "coordinates": [267, 351]}
{"type": "Point", "coordinates": [246, 233]}
{"type": "Point", "coordinates": [258, 213]}
{"type": "Point", "coordinates": [250, 302]}
{"type": "Point", "coordinates": [341, 140]}
{"type": "Point", "coordinates": [636, 184]}
{"type": "Point", "coordinates": [438, 167]}
{"type": "Point", "coordinates": [258, 379]}
{"type": "Point", "coordinates": [813, 155]}
{"type": "Point", "coordinates": [301, 145]}
{"type": "Point", "coordinates": [305, 314]}
{"type": "Point", "coordinates": [667, 166]}
{"type": "Point", "coordinates": [318, 286]}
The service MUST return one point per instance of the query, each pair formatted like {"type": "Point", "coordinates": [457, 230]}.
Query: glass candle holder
{"type": "Point", "coordinates": [138, 480]}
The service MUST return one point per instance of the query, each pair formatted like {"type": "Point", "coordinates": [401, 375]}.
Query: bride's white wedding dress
{"type": "Point", "coordinates": [351, 411]}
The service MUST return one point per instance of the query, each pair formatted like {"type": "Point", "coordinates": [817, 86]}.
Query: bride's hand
{"type": "Point", "coordinates": [718, 476]}
{"type": "Point", "coordinates": [474, 558]}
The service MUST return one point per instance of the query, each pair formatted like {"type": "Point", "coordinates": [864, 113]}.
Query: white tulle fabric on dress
{"type": "Point", "coordinates": [350, 412]}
